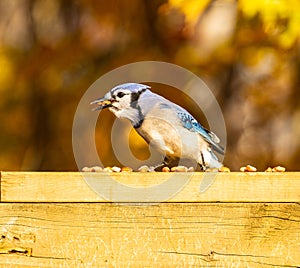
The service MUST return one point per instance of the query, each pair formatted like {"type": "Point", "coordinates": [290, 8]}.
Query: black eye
{"type": "Point", "coordinates": [121, 94]}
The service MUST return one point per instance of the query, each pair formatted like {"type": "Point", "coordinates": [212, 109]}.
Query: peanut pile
{"type": "Point", "coordinates": [250, 168]}
{"type": "Point", "coordinates": [247, 168]}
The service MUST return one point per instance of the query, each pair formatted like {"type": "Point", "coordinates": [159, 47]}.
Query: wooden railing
{"type": "Point", "coordinates": [54, 219]}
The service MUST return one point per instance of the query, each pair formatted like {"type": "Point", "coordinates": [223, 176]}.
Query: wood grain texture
{"type": "Point", "coordinates": [241, 220]}
{"type": "Point", "coordinates": [164, 235]}
{"type": "Point", "coordinates": [226, 187]}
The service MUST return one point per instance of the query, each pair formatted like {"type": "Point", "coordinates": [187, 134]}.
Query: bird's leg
{"type": "Point", "coordinates": [158, 166]}
{"type": "Point", "coordinates": [165, 162]}
{"type": "Point", "coordinates": [203, 166]}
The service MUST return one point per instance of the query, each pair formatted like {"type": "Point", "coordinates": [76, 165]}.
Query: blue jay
{"type": "Point", "coordinates": [171, 129]}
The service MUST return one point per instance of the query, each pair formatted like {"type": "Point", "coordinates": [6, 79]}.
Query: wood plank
{"type": "Point", "coordinates": [45, 186]}
{"type": "Point", "coordinates": [225, 187]}
{"type": "Point", "coordinates": [163, 235]}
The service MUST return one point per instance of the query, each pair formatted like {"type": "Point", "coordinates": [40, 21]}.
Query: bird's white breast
{"type": "Point", "coordinates": [174, 140]}
{"type": "Point", "coordinates": [163, 128]}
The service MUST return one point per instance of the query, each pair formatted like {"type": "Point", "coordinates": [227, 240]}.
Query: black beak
{"type": "Point", "coordinates": [101, 104]}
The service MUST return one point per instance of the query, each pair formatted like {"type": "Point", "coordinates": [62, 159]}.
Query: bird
{"type": "Point", "coordinates": [171, 129]}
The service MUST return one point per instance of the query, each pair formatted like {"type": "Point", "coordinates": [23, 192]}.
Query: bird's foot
{"type": "Point", "coordinates": [158, 167]}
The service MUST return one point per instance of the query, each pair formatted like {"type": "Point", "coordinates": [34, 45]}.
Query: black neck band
{"type": "Point", "coordinates": [138, 124]}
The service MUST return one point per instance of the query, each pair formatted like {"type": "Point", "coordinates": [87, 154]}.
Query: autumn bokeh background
{"type": "Point", "coordinates": [246, 51]}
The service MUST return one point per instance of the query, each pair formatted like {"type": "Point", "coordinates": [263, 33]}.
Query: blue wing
{"type": "Point", "coordinates": [191, 123]}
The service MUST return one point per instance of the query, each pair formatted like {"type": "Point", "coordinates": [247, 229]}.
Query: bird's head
{"type": "Point", "coordinates": [122, 100]}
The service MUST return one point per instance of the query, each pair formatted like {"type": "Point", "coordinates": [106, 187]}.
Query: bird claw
{"type": "Point", "coordinates": [157, 167]}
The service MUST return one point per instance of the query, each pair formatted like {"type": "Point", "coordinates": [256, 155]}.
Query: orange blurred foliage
{"type": "Point", "coordinates": [51, 51]}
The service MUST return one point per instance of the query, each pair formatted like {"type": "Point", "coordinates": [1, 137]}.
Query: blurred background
{"type": "Point", "coordinates": [246, 51]}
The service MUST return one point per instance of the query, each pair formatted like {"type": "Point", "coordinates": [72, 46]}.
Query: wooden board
{"type": "Point", "coordinates": [54, 219]}
{"type": "Point", "coordinates": [163, 235]}
{"type": "Point", "coordinates": [225, 187]}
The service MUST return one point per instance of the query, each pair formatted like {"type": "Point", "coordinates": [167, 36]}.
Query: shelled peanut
{"type": "Point", "coordinates": [248, 168]}
{"type": "Point", "coordinates": [275, 169]}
